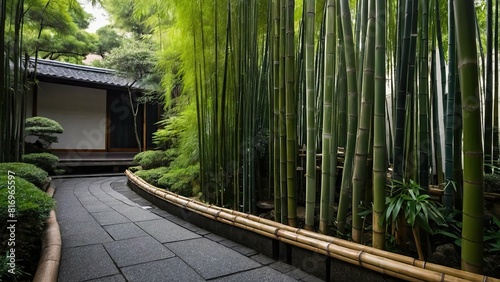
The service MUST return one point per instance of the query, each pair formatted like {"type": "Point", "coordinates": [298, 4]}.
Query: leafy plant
{"type": "Point", "coordinates": [406, 198]}
{"type": "Point", "coordinates": [183, 181]}
{"type": "Point", "coordinates": [492, 235]}
{"type": "Point", "coordinates": [32, 209]}
{"type": "Point", "coordinates": [151, 159]}
{"type": "Point", "coordinates": [45, 161]}
{"type": "Point", "coordinates": [45, 130]}
{"type": "Point", "coordinates": [152, 176]}
{"type": "Point", "coordinates": [26, 171]}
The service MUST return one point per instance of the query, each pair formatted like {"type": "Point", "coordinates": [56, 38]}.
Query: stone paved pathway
{"type": "Point", "coordinates": [109, 234]}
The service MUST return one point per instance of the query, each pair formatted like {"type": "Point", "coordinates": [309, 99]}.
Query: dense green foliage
{"type": "Point", "coordinates": [45, 161]}
{"type": "Point", "coordinates": [44, 129]}
{"type": "Point", "coordinates": [153, 175]}
{"type": "Point", "coordinates": [29, 172]}
{"type": "Point", "coordinates": [151, 159]}
{"type": "Point", "coordinates": [32, 208]}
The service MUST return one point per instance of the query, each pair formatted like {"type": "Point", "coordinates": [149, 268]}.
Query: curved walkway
{"type": "Point", "coordinates": [109, 233]}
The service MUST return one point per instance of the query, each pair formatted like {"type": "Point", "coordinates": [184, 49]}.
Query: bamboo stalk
{"type": "Point", "coordinates": [368, 257]}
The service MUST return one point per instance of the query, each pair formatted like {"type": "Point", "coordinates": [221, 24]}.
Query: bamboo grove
{"type": "Point", "coordinates": [335, 105]}
{"type": "Point", "coordinates": [323, 104]}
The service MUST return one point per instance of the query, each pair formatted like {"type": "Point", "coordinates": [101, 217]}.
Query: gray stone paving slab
{"type": "Point", "coordinates": [244, 250]}
{"type": "Point", "coordinates": [173, 269]}
{"type": "Point", "coordinates": [211, 259]}
{"type": "Point", "coordinates": [114, 278]}
{"type": "Point", "coordinates": [213, 237]}
{"type": "Point", "coordinates": [97, 207]}
{"type": "Point", "coordinates": [124, 231]}
{"type": "Point", "coordinates": [298, 274]}
{"type": "Point", "coordinates": [165, 231]}
{"type": "Point", "coordinates": [75, 228]}
{"type": "Point", "coordinates": [229, 243]}
{"type": "Point", "coordinates": [76, 215]}
{"type": "Point", "coordinates": [109, 217]}
{"type": "Point", "coordinates": [282, 267]}
{"type": "Point", "coordinates": [137, 250]}
{"type": "Point", "coordinates": [312, 278]}
{"type": "Point", "coordinates": [263, 274]}
{"type": "Point", "coordinates": [84, 263]}
{"type": "Point", "coordinates": [262, 259]}
{"type": "Point", "coordinates": [83, 239]}
{"type": "Point", "coordinates": [139, 214]}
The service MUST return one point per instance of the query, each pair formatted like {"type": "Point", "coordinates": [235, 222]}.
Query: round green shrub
{"type": "Point", "coordinates": [151, 159]}
{"type": "Point", "coordinates": [181, 180]}
{"type": "Point", "coordinates": [26, 171]}
{"type": "Point", "coordinates": [30, 207]}
{"type": "Point", "coordinates": [45, 161]}
{"type": "Point", "coordinates": [152, 176]}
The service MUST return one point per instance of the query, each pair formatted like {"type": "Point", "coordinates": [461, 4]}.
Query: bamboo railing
{"type": "Point", "coordinates": [396, 265]}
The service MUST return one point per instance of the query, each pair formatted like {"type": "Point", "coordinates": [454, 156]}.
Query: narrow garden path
{"type": "Point", "coordinates": [109, 233]}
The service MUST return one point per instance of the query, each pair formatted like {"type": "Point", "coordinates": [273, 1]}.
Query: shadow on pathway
{"type": "Point", "coordinates": [109, 233]}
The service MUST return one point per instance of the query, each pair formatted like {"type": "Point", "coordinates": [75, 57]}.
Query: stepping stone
{"type": "Point", "coordinates": [137, 250]}
{"type": "Point", "coordinates": [165, 231]}
{"type": "Point", "coordinates": [262, 274]}
{"type": "Point", "coordinates": [211, 259]}
{"type": "Point", "coordinates": [124, 231]}
{"type": "Point", "coordinates": [109, 217]}
{"type": "Point", "coordinates": [84, 263]}
{"type": "Point", "coordinates": [173, 269]}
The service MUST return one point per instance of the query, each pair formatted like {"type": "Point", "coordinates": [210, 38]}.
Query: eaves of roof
{"type": "Point", "coordinates": [78, 73]}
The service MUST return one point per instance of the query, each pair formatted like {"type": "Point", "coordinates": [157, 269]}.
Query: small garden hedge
{"type": "Point", "coordinates": [30, 207]}
{"type": "Point", "coordinates": [151, 159]}
{"type": "Point", "coordinates": [152, 176]}
{"type": "Point", "coordinates": [45, 161]}
{"type": "Point", "coordinates": [26, 171]}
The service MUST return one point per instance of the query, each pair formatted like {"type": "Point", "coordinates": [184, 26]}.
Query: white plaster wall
{"type": "Point", "coordinates": [80, 111]}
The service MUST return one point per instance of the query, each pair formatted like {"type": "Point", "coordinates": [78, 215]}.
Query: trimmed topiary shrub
{"type": "Point", "coordinates": [22, 201]}
{"type": "Point", "coordinates": [181, 180]}
{"type": "Point", "coordinates": [45, 130]}
{"type": "Point", "coordinates": [45, 161]}
{"type": "Point", "coordinates": [152, 176]}
{"type": "Point", "coordinates": [135, 169]}
{"type": "Point", "coordinates": [151, 159]}
{"type": "Point", "coordinates": [26, 171]}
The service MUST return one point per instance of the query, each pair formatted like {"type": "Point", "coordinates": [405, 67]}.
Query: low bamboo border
{"type": "Point", "coordinates": [392, 264]}
{"type": "Point", "coordinates": [50, 257]}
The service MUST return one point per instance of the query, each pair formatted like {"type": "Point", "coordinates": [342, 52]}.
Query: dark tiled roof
{"type": "Point", "coordinates": [80, 73]}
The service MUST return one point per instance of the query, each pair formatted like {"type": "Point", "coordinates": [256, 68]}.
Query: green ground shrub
{"type": "Point", "coordinates": [32, 208]}
{"type": "Point", "coordinates": [151, 159]}
{"type": "Point", "coordinates": [29, 172]}
{"type": "Point", "coordinates": [45, 161]}
{"type": "Point", "coordinates": [135, 169]}
{"type": "Point", "coordinates": [152, 176]}
{"type": "Point", "coordinates": [182, 181]}
{"type": "Point", "coordinates": [492, 182]}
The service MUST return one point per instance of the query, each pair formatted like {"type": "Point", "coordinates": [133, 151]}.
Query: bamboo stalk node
{"type": "Point", "coordinates": [359, 257]}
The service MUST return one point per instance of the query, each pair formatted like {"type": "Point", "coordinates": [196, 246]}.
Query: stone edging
{"type": "Point", "coordinates": [50, 257]}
